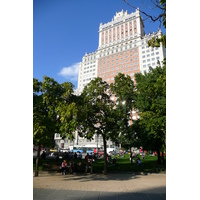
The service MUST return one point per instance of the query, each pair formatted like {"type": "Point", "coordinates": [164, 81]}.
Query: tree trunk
{"type": "Point", "coordinates": [105, 156]}
{"type": "Point", "coordinates": [131, 155]}
{"type": "Point", "coordinates": [159, 158]}
{"type": "Point", "coordinates": [162, 157]}
{"type": "Point", "coordinates": [37, 160]}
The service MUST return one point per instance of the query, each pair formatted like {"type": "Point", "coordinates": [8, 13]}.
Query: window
{"type": "Point", "coordinates": [144, 61]}
{"type": "Point", "coordinates": [143, 51]}
{"type": "Point", "coordinates": [153, 59]}
{"type": "Point", "coordinates": [148, 60]}
{"type": "Point", "coordinates": [144, 66]}
{"type": "Point", "coordinates": [143, 56]}
{"type": "Point", "coordinates": [148, 55]}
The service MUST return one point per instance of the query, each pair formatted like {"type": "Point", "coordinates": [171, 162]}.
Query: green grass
{"type": "Point", "coordinates": [123, 164]}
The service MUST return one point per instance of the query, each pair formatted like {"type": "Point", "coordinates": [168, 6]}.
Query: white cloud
{"type": "Point", "coordinates": [70, 72]}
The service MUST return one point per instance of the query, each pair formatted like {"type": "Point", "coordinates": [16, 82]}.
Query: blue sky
{"type": "Point", "coordinates": [64, 30]}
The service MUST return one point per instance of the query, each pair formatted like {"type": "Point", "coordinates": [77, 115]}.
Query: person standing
{"type": "Point", "coordinates": [88, 163]}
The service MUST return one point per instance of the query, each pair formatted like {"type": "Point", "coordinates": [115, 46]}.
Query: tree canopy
{"type": "Point", "coordinates": [96, 114]}
{"type": "Point", "coordinates": [123, 88]}
{"type": "Point", "coordinates": [151, 103]}
{"type": "Point", "coordinates": [54, 109]}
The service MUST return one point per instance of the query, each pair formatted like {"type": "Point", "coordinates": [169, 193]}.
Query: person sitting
{"type": "Point", "coordinates": [114, 161]}
{"type": "Point", "coordinates": [64, 167]}
{"type": "Point", "coordinates": [138, 162]}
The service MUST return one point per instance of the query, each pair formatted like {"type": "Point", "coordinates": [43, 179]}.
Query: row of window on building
{"type": "Point", "coordinates": [152, 59]}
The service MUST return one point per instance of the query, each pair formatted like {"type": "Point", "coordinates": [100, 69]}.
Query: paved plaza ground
{"type": "Point", "coordinates": [54, 186]}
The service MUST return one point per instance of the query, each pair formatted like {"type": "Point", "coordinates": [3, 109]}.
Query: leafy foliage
{"type": "Point", "coordinates": [96, 114]}
{"type": "Point", "coordinates": [53, 112]}
{"type": "Point", "coordinates": [151, 103]}
{"type": "Point", "coordinates": [123, 88]}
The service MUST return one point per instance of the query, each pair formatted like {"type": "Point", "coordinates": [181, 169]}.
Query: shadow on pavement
{"type": "Point", "coordinates": [158, 193]}
{"type": "Point", "coordinates": [101, 177]}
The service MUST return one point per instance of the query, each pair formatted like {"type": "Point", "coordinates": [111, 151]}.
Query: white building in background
{"type": "Point", "coordinates": [123, 48]}
{"type": "Point", "coordinates": [87, 70]}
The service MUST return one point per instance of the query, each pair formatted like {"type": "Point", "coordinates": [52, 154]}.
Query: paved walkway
{"type": "Point", "coordinates": [99, 187]}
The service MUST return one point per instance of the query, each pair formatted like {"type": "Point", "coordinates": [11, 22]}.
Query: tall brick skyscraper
{"type": "Point", "coordinates": [122, 48]}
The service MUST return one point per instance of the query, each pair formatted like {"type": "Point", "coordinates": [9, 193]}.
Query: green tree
{"type": "Point", "coordinates": [123, 88]}
{"type": "Point", "coordinates": [46, 96]}
{"type": "Point", "coordinates": [96, 115]}
{"type": "Point", "coordinates": [151, 103]}
{"type": "Point", "coordinates": [67, 111]}
{"type": "Point", "coordinates": [54, 109]}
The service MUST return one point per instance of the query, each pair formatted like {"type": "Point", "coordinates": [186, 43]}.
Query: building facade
{"type": "Point", "coordinates": [123, 48]}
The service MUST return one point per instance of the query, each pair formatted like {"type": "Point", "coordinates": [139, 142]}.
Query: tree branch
{"type": "Point", "coordinates": [153, 19]}
{"type": "Point", "coordinates": [157, 5]}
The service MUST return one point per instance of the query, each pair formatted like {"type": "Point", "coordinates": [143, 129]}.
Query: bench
{"type": "Point", "coordinates": [78, 167]}
{"type": "Point", "coordinates": [51, 167]}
